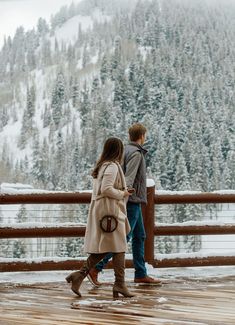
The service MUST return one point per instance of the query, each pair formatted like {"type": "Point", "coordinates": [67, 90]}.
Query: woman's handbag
{"type": "Point", "coordinates": [108, 223]}
{"type": "Point", "coordinates": [107, 210]}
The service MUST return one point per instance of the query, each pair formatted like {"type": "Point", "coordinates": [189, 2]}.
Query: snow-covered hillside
{"type": "Point", "coordinates": [69, 31]}
{"type": "Point", "coordinates": [42, 80]}
{"type": "Point", "coordinates": [100, 66]}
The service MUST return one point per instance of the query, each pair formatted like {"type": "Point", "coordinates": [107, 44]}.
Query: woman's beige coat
{"type": "Point", "coordinates": [111, 182]}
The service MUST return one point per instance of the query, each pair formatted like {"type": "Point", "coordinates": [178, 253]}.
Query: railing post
{"type": "Point", "coordinates": [149, 222]}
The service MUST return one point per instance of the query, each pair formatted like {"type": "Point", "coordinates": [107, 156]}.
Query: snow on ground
{"type": "Point", "coordinates": [19, 188]}
{"type": "Point", "coordinates": [200, 254]}
{"type": "Point", "coordinates": [195, 273]}
{"type": "Point", "coordinates": [196, 223]}
{"type": "Point", "coordinates": [150, 182]}
{"type": "Point", "coordinates": [165, 192]}
{"type": "Point", "coordinates": [32, 225]}
{"type": "Point", "coordinates": [69, 31]}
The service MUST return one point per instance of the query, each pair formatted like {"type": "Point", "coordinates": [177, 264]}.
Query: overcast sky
{"type": "Point", "coordinates": [14, 13]}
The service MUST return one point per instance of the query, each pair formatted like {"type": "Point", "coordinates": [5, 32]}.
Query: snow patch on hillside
{"type": "Point", "coordinates": [69, 31]}
{"type": "Point", "coordinates": [44, 82]}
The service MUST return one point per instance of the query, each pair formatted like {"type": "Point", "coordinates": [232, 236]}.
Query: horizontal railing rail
{"type": "Point", "coordinates": [196, 198]}
{"type": "Point", "coordinates": [85, 197]}
{"type": "Point", "coordinates": [79, 231]}
{"type": "Point", "coordinates": [152, 229]}
{"type": "Point", "coordinates": [184, 230]}
{"type": "Point", "coordinates": [46, 198]}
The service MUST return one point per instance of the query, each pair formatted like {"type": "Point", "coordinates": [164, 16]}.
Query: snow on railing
{"type": "Point", "coordinates": [152, 228]}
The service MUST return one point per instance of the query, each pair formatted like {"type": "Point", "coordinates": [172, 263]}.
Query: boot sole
{"type": "Point", "coordinates": [116, 294]}
{"type": "Point", "coordinates": [149, 284]}
{"type": "Point", "coordinates": [76, 293]}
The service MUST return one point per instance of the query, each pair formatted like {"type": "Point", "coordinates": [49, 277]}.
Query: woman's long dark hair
{"type": "Point", "coordinates": [112, 151]}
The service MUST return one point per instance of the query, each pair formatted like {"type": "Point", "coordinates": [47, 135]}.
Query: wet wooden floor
{"type": "Point", "coordinates": [180, 301]}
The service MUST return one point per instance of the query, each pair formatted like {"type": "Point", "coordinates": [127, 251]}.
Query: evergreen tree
{"type": "Point", "coordinates": [181, 176]}
{"type": "Point", "coordinates": [58, 99]}
{"type": "Point", "coordinates": [46, 55]}
{"type": "Point", "coordinates": [104, 70]}
{"type": "Point", "coordinates": [1, 215]}
{"type": "Point", "coordinates": [42, 27]}
{"type": "Point", "coordinates": [85, 56]}
{"type": "Point", "coordinates": [38, 169]}
{"type": "Point", "coordinates": [75, 93]}
{"type": "Point", "coordinates": [231, 167]}
{"type": "Point", "coordinates": [31, 41]}
{"type": "Point", "coordinates": [75, 168]}
{"type": "Point", "coordinates": [116, 57]}
{"type": "Point", "coordinates": [22, 214]}
{"type": "Point", "coordinates": [46, 116]}
{"type": "Point", "coordinates": [19, 249]}
{"type": "Point", "coordinates": [84, 107]}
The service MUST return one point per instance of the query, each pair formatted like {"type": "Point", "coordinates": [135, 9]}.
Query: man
{"type": "Point", "coordinates": [135, 174]}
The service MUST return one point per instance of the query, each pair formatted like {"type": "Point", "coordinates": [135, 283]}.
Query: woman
{"type": "Point", "coordinates": [109, 181]}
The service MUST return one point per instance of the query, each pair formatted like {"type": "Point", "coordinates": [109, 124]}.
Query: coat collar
{"type": "Point", "coordinates": [142, 149]}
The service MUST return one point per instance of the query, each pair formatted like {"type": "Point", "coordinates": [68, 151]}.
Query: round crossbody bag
{"type": "Point", "coordinates": [108, 223]}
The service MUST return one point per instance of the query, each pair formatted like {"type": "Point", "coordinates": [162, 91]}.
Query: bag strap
{"type": "Point", "coordinates": [99, 190]}
{"type": "Point", "coordinates": [99, 195]}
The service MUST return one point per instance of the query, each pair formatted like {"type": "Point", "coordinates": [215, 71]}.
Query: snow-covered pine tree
{"type": "Point", "coordinates": [22, 214]}
{"type": "Point", "coordinates": [58, 99]}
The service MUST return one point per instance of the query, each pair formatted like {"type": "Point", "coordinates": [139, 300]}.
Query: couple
{"type": "Point", "coordinates": [109, 180]}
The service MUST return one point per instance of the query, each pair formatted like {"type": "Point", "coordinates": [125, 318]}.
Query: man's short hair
{"type": "Point", "coordinates": [136, 131]}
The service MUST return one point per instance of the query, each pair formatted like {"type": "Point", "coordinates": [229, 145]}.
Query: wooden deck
{"type": "Point", "coordinates": [181, 301]}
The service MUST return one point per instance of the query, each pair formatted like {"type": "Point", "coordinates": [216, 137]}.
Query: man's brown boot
{"type": "Point", "coordinates": [148, 280]}
{"type": "Point", "coordinates": [93, 277]}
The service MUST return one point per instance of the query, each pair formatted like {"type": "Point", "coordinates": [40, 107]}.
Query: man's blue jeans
{"type": "Point", "coordinates": [137, 234]}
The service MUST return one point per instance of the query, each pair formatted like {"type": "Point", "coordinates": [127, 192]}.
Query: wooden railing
{"type": "Point", "coordinates": [152, 229]}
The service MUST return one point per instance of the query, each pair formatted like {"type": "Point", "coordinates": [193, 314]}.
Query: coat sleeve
{"type": "Point", "coordinates": [107, 186]}
{"type": "Point", "coordinates": [132, 168]}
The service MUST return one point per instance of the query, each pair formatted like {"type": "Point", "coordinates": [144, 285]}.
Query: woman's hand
{"type": "Point", "coordinates": [126, 193]}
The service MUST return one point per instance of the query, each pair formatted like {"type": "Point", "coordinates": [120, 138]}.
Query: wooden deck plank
{"type": "Point", "coordinates": [176, 302]}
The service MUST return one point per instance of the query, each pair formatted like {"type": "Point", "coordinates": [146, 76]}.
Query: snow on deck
{"type": "Point", "coordinates": [188, 296]}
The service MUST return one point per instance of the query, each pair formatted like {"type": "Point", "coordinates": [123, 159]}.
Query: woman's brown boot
{"type": "Point", "coordinates": [77, 277]}
{"type": "Point", "coordinates": [119, 273]}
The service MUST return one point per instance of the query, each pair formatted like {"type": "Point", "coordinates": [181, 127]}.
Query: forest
{"type": "Point", "coordinates": [166, 64]}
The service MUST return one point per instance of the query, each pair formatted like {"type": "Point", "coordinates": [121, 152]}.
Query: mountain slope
{"type": "Point", "coordinates": [103, 65]}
